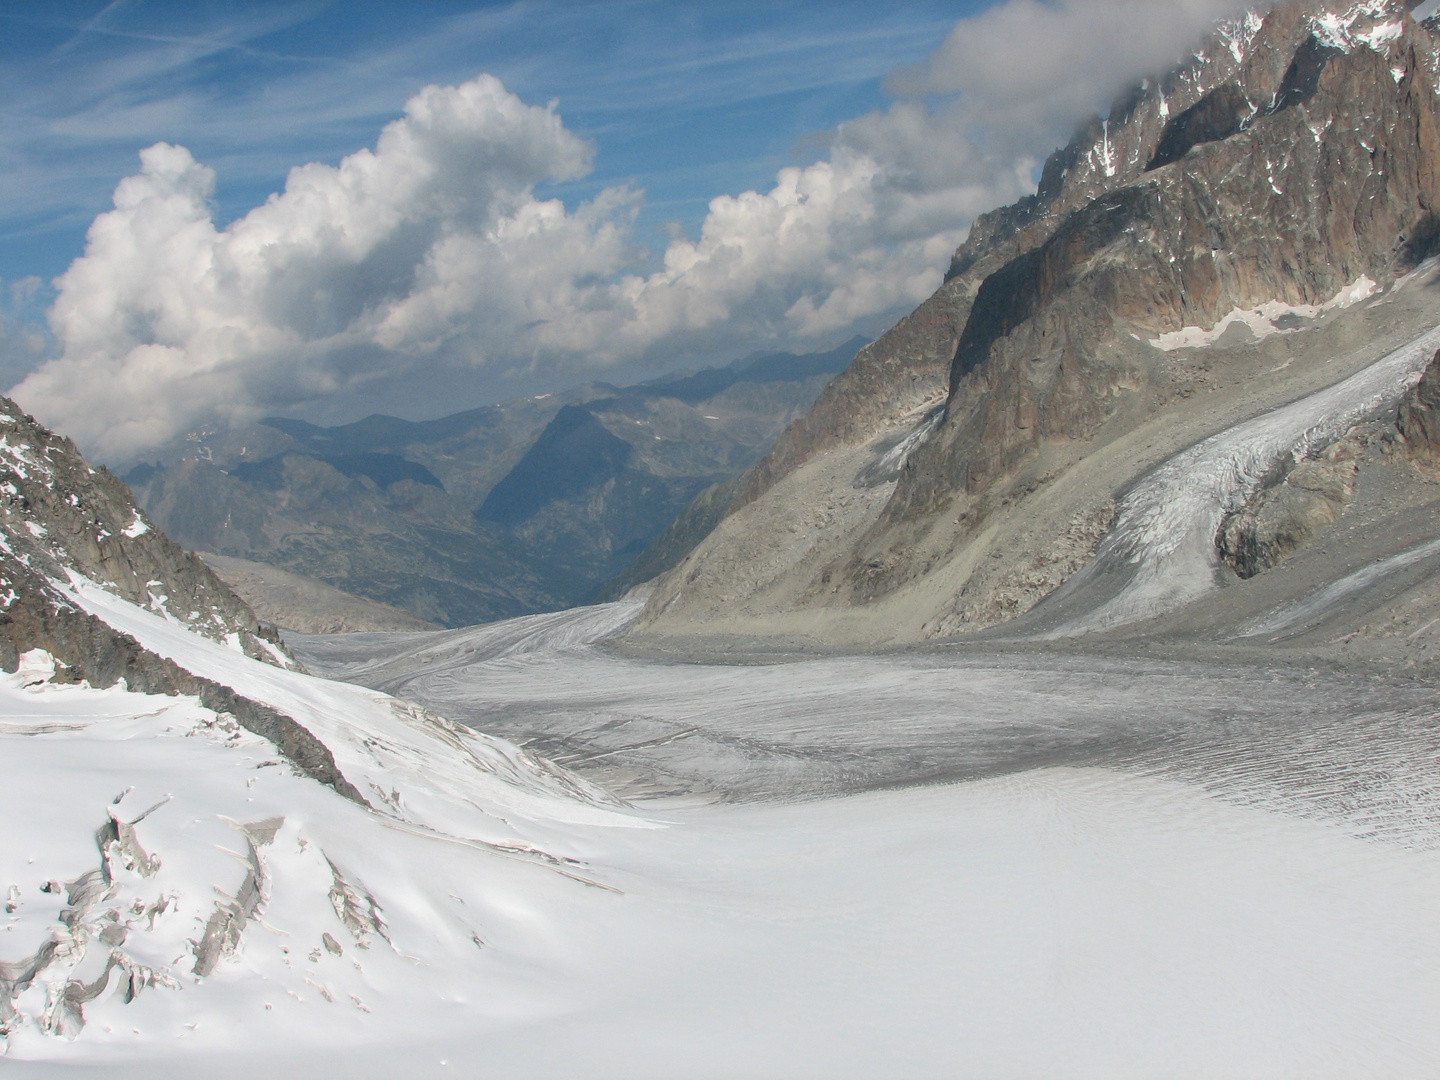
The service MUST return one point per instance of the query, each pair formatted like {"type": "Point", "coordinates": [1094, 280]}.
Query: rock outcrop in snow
{"type": "Point", "coordinates": [63, 525]}
{"type": "Point", "coordinates": [59, 516]}
{"type": "Point", "coordinates": [127, 665]}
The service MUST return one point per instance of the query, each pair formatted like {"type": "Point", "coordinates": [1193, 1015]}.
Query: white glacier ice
{"type": "Point", "coordinates": [578, 862]}
{"type": "Point", "coordinates": [1084, 904]}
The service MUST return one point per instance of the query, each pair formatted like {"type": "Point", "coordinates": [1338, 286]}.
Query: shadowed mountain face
{"type": "Point", "coordinates": [572, 455]}
{"type": "Point", "coordinates": [529, 505]}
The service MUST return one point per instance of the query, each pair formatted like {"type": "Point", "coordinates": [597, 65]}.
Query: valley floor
{"type": "Point", "coordinates": [1091, 866]}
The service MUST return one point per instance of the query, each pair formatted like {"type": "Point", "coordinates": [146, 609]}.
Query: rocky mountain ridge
{"type": "Point", "coordinates": [1219, 226]}
{"type": "Point", "coordinates": [59, 517]}
{"type": "Point", "coordinates": [65, 526]}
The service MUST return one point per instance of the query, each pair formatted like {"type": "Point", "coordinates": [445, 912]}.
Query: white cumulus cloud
{"type": "Point", "coordinates": [432, 252]}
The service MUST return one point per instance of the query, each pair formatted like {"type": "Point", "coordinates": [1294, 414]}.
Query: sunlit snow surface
{"type": "Point", "coordinates": [1117, 869]}
{"type": "Point", "coordinates": [1146, 868]}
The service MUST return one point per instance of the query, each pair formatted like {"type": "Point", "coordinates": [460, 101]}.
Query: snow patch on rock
{"type": "Point", "coordinates": [1269, 318]}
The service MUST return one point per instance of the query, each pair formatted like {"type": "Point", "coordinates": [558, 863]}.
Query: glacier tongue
{"type": "Point", "coordinates": [1161, 552]}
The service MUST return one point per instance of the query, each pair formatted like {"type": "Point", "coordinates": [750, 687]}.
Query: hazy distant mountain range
{"type": "Point", "coordinates": [529, 505]}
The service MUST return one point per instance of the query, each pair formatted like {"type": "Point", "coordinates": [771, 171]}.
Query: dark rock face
{"type": "Point", "coordinates": [1218, 115]}
{"type": "Point", "coordinates": [59, 517]}
{"type": "Point", "coordinates": [1293, 158]}
{"type": "Point", "coordinates": [1295, 207]}
{"type": "Point", "coordinates": [574, 453]}
{"type": "Point", "coordinates": [1419, 419]}
{"type": "Point", "coordinates": [1285, 516]}
{"type": "Point", "coordinates": [1302, 78]}
{"type": "Point", "coordinates": [59, 514]}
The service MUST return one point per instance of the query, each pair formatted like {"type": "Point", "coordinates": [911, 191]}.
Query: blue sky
{"type": "Point", "coordinates": [686, 100]}
{"type": "Point", "coordinates": [323, 210]}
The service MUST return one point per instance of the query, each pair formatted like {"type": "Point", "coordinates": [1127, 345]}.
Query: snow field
{"type": "Point", "coordinates": [495, 917]}
{"type": "Point", "coordinates": [420, 902]}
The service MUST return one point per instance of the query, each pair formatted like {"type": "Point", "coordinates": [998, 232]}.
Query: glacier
{"type": "Point", "coordinates": [928, 863]}
{"type": "Point", "coordinates": [1161, 552]}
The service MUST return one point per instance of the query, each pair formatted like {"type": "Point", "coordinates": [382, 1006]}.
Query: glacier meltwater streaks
{"type": "Point", "coordinates": [1161, 552]}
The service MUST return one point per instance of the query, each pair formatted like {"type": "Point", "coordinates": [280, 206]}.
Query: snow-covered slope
{"type": "Point", "coordinates": [171, 863]}
{"type": "Point", "coordinates": [158, 852]}
{"type": "Point", "coordinates": [945, 862]}
{"type": "Point", "coordinates": [918, 864]}
{"type": "Point", "coordinates": [493, 917]}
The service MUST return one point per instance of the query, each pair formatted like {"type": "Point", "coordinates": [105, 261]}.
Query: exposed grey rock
{"type": "Point", "coordinates": [912, 362]}
{"type": "Point", "coordinates": [59, 514]}
{"type": "Point", "coordinates": [1419, 419]}
{"type": "Point", "coordinates": [1276, 212]}
{"type": "Point", "coordinates": [1288, 158]}
{"type": "Point", "coordinates": [1285, 516]}
{"type": "Point", "coordinates": [305, 605]}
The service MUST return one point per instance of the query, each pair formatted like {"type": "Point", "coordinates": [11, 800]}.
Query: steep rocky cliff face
{"type": "Point", "coordinates": [911, 364]}
{"type": "Point", "coordinates": [65, 525]}
{"type": "Point", "coordinates": [1188, 257]}
{"type": "Point", "coordinates": [1418, 419]}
